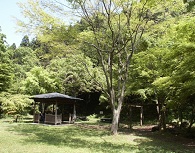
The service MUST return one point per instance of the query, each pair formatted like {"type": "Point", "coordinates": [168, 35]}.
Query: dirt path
{"type": "Point", "coordinates": [162, 136]}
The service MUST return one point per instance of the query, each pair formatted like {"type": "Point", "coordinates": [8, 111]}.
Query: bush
{"type": "Point", "coordinates": [14, 105]}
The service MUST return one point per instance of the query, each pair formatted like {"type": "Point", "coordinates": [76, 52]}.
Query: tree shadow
{"type": "Point", "coordinates": [85, 136]}
{"type": "Point", "coordinates": [164, 141]}
{"type": "Point", "coordinates": [73, 137]}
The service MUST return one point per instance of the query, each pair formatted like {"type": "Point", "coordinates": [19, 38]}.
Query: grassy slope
{"type": "Point", "coordinates": [35, 138]}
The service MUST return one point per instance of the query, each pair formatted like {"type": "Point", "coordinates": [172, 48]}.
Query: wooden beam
{"type": "Point", "coordinates": [136, 106]}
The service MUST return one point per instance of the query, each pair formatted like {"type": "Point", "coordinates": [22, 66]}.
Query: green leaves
{"type": "Point", "coordinates": [5, 66]}
{"type": "Point", "coordinates": [38, 81]}
{"type": "Point", "coordinates": [15, 104]}
{"type": "Point", "coordinates": [76, 74]}
{"type": "Point", "coordinates": [5, 76]}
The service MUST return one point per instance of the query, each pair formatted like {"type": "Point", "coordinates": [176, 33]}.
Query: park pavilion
{"type": "Point", "coordinates": [54, 108]}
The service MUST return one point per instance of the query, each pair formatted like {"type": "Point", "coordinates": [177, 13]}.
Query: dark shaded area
{"type": "Point", "coordinates": [106, 120]}
{"type": "Point", "coordinates": [161, 138]}
{"type": "Point", "coordinates": [149, 109]}
{"type": "Point", "coordinates": [90, 104]}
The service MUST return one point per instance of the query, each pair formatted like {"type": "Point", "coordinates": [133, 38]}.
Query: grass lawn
{"type": "Point", "coordinates": [84, 138]}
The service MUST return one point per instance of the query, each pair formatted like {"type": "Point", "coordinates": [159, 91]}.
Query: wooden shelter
{"type": "Point", "coordinates": [54, 108]}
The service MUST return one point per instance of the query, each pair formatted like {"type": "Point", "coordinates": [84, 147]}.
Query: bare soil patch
{"type": "Point", "coordinates": [163, 136]}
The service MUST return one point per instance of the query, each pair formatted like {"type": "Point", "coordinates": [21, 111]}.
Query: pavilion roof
{"type": "Point", "coordinates": [54, 97]}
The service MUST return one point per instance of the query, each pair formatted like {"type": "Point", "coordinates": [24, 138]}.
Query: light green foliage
{"type": "Point", "coordinates": [76, 74]}
{"type": "Point", "coordinates": [177, 79]}
{"type": "Point", "coordinates": [38, 81]}
{"type": "Point", "coordinates": [38, 19]}
{"type": "Point", "coordinates": [182, 53]}
{"type": "Point", "coordinates": [15, 104]}
{"type": "Point", "coordinates": [22, 59]}
{"type": "Point", "coordinates": [51, 31]}
{"type": "Point", "coordinates": [183, 74]}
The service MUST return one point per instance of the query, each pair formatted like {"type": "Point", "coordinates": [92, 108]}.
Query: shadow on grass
{"type": "Point", "coordinates": [88, 137]}
{"type": "Point", "coordinates": [70, 136]}
{"type": "Point", "coordinates": [165, 142]}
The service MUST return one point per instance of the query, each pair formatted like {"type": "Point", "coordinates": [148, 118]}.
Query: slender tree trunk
{"type": "Point", "coordinates": [130, 124]}
{"type": "Point", "coordinates": [115, 121]}
{"type": "Point", "coordinates": [158, 108]}
{"type": "Point", "coordinates": [163, 120]}
{"type": "Point", "coordinates": [180, 117]}
{"type": "Point", "coordinates": [192, 120]}
{"type": "Point", "coordinates": [16, 119]}
{"type": "Point", "coordinates": [161, 114]}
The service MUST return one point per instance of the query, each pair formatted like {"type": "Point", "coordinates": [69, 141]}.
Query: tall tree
{"type": "Point", "coordinates": [13, 46]}
{"type": "Point", "coordinates": [5, 66]}
{"type": "Point", "coordinates": [55, 38]}
{"type": "Point", "coordinates": [23, 59]}
{"type": "Point", "coordinates": [179, 80]}
{"type": "Point", "coordinates": [25, 42]}
{"type": "Point", "coordinates": [115, 32]}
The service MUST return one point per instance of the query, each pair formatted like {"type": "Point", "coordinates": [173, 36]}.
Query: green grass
{"type": "Point", "coordinates": [80, 138]}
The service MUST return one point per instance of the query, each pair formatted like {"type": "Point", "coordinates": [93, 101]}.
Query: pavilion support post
{"type": "Point", "coordinates": [53, 108]}
{"type": "Point", "coordinates": [34, 112]}
{"type": "Point", "coordinates": [56, 113]}
{"type": "Point", "coordinates": [74, 113]}
{"type": "Point", "coordinates": [43, 108]}
{"type": "Point", "coordinates": [141, 115]}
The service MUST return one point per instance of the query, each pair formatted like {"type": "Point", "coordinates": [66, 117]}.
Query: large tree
{"type": "Point", "coordinates": [23, 59]}
{"type": "Point", "coordinates": [115, 30]}
{"type": "Point", "coordinates": [178, 78]}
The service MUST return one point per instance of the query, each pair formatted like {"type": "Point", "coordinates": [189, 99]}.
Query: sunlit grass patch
{"type": "Point", "coordinates": [77, 138]}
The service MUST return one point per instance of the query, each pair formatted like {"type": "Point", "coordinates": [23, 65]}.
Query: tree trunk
{"type": "Point", "coordinates": [158, 108]}
{"type": "Point", "coordinates": [192, 120]}
{"type": "Point", "coordinates": [180, 117]}
{"type": "Point", "coordinates": [130, 124]}
{"type": "Point", "coordinates": [115, 121]}
{"type": "Point", "coordinates": [163, 120]}
{"type": "Point", "coordinates": [16, 119]}
{"type": "Point", "coordinates": [141, 116]}
{"type": "Point", "coordinates": [161, 109]}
